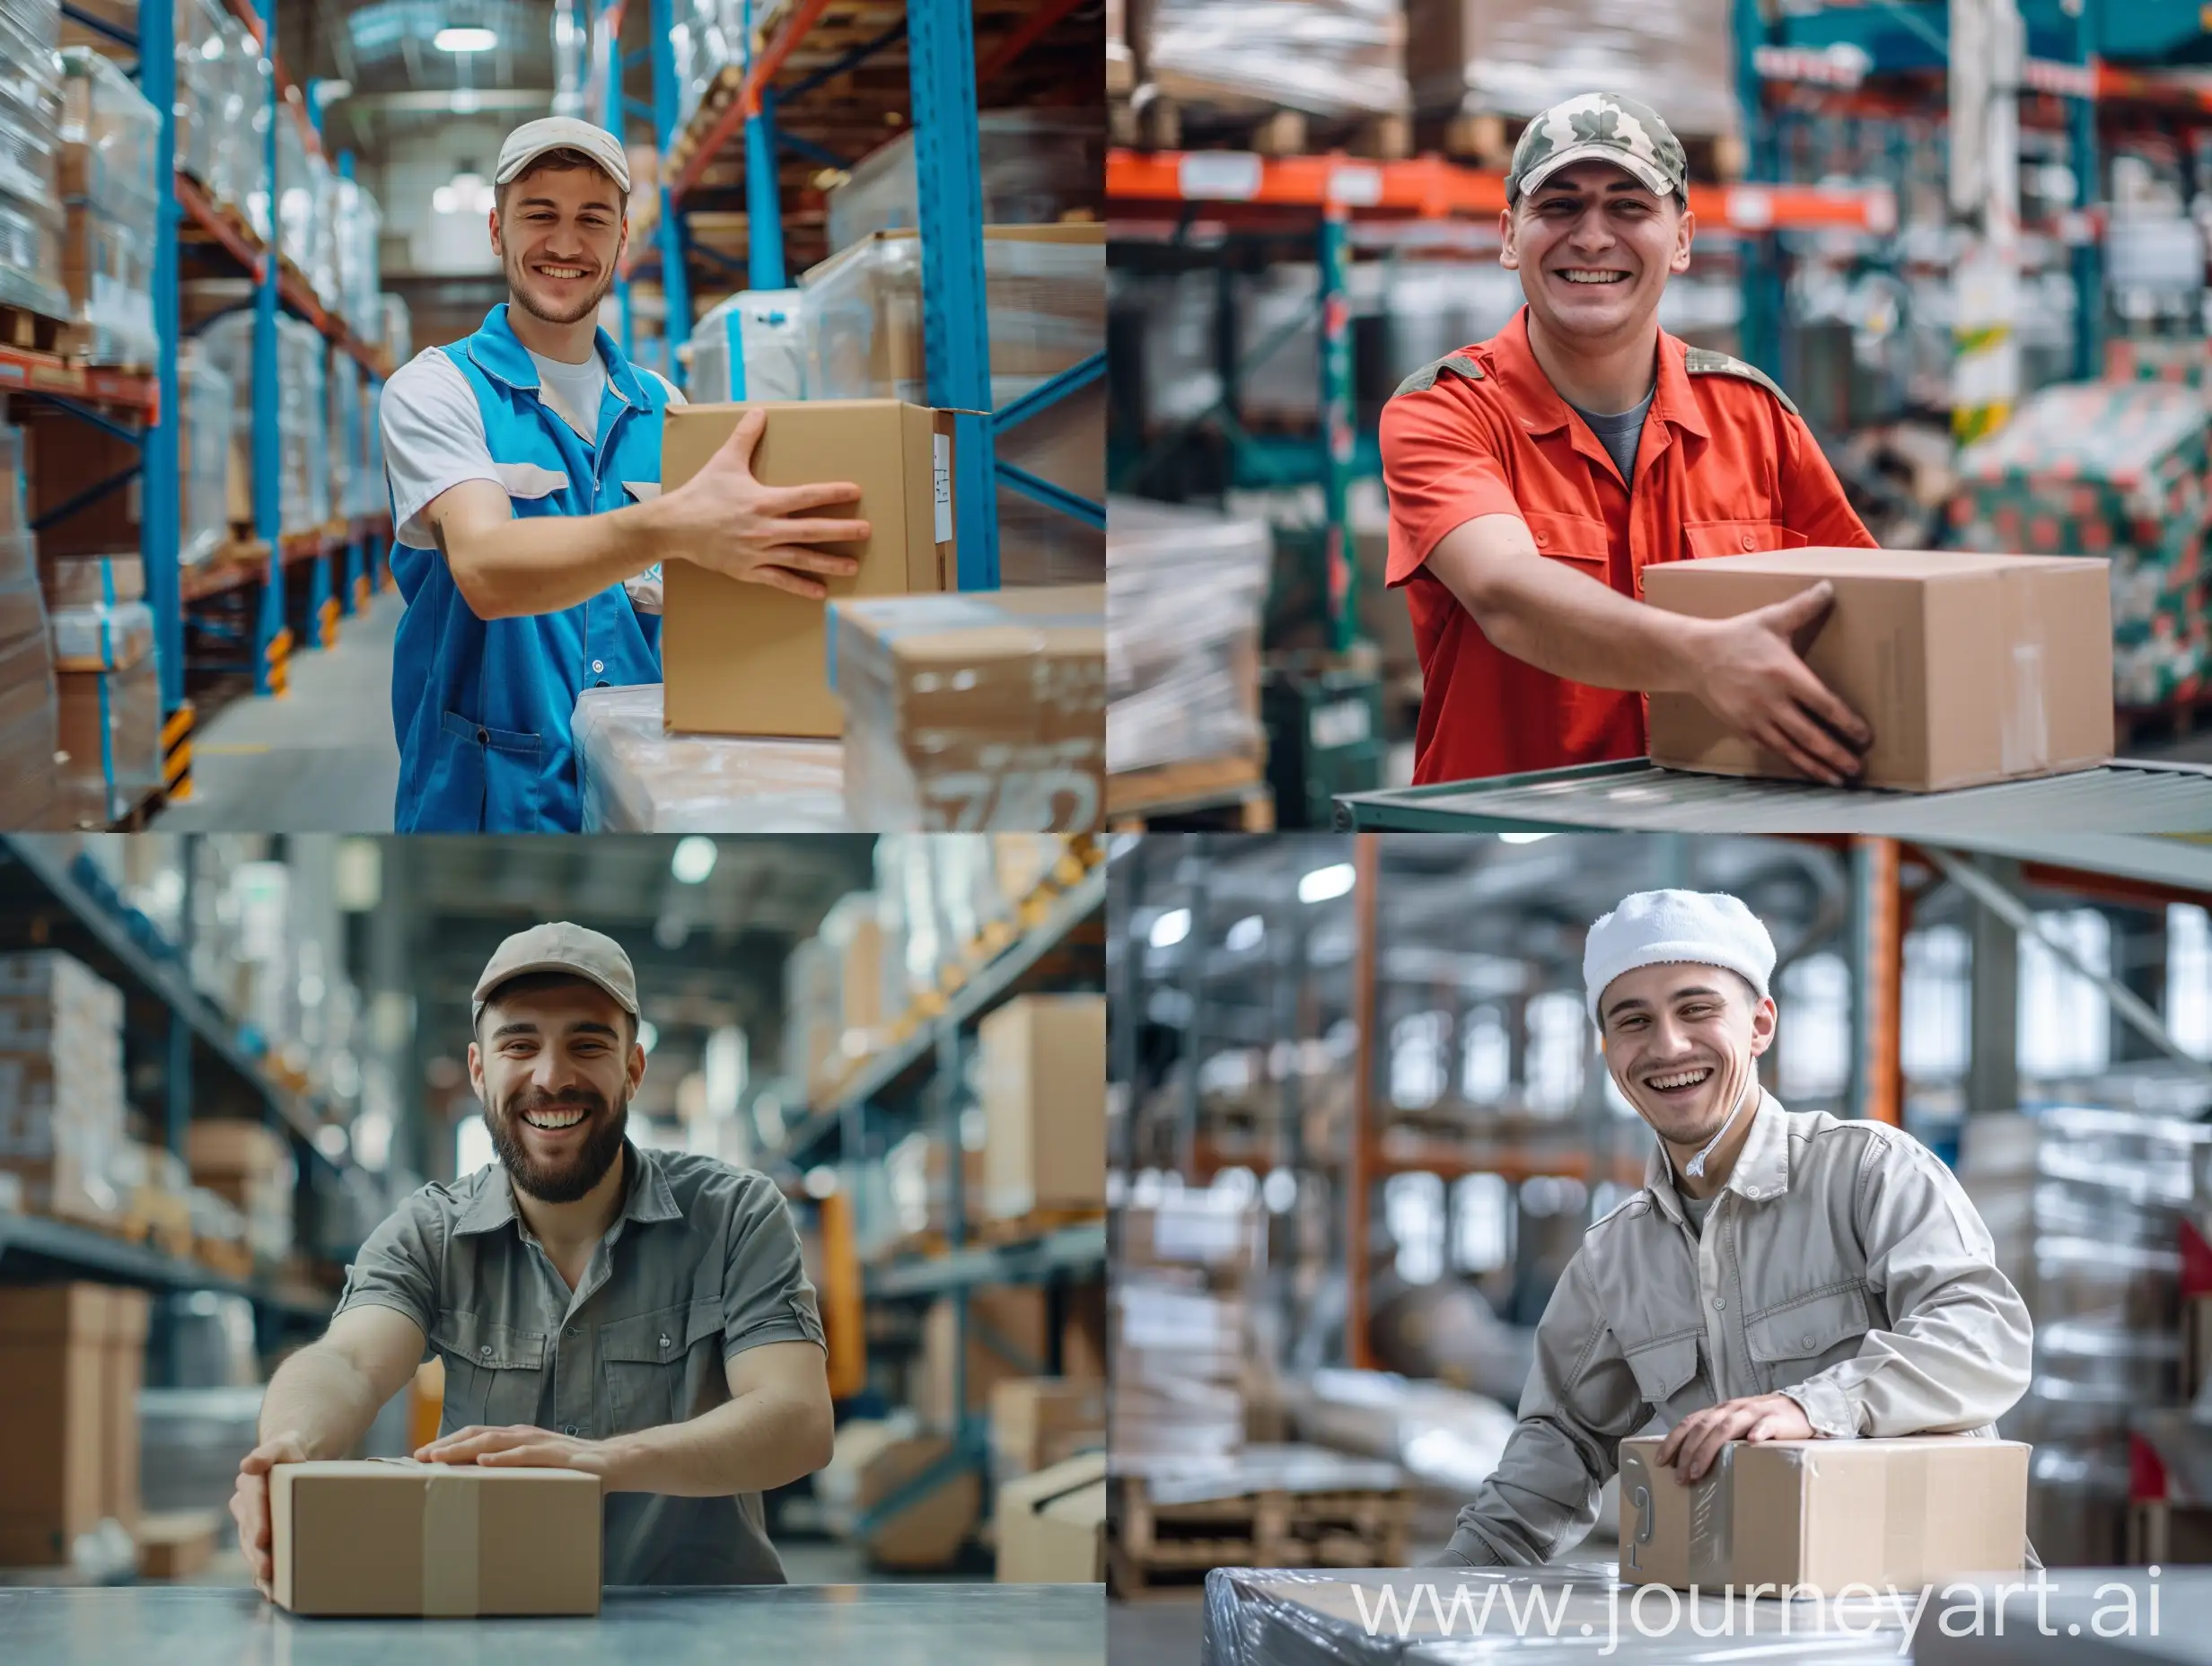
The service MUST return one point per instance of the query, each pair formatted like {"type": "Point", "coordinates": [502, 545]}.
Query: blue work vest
{"type": "Point", "coordinates": [482, 707]}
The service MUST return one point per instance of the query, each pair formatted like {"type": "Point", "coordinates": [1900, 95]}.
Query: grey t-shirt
{"type": "Point", "coordinates": [1695, 1209]}
{"type": "Point", "coordinates": [702, 1264]}
{"type": "Point", "coordinates": [1622, 434]}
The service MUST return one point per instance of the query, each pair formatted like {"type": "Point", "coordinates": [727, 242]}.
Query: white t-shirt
{"type": "Point", "coordinates": [434, 429]}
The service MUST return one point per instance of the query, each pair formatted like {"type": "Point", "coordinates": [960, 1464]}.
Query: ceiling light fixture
{"type": "Point", "coordinates": [465, 39]}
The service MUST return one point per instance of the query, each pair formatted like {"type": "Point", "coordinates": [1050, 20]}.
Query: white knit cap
{"type": "Point", "coordinates": [1668, 927]}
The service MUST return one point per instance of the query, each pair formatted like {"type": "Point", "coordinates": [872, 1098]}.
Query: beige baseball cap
{"type": "Point", "coordinates": [533, 139]}
{"type": "Point", "coordinates": [560, 946]}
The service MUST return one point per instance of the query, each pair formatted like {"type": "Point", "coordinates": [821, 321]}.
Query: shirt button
{"type": "Point", "coordinates": [1750, 1191]}
{"type": "Point", "coordinates": [485, 1351]}
{"type": "Point", "coordinates": [1747, 540]}
{"type": "Point", "coordinates": [1544, 538]}
{"type": "Point", "coordinates": [1720, 1302]}
{"type": "Point", "coordinates": [570, 1331]}
{"type": "Point", "coordinates": [1807, 1342]}
{"type": "Point", "coordinates": [665, 1339]}
{"type": "Point", "coordinates": [569, 1429]}
{"type": "Point", "coordinates": [597, 666]}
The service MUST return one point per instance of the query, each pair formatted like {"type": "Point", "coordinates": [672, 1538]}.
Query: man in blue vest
{"type": "Point", "coordinates": [529, 524]}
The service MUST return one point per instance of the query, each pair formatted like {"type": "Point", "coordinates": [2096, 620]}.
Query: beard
{"type": "Point", "coordinates": [566, 1178]}
{"type": "Point", "coordinates": [519, 280]}
{"type": "Point", "coordinates": [1693, 1121]}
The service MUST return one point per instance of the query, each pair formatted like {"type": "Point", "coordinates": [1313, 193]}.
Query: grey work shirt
{"type": "Point", "coordinates": [703, 1263]}
{"type": "Point", "coordinates": [1841, 1263]}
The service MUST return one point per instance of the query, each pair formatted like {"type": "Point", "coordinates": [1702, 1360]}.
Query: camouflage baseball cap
{"type": "Point", "coordinates": [1599, 126]}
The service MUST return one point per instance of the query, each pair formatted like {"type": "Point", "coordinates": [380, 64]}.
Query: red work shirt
{"type": "Point", "coordinates": [1726, 465]}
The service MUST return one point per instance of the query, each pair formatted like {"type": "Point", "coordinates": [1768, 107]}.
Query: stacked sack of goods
{"type": "Point", "coordinates": [2115, 469]}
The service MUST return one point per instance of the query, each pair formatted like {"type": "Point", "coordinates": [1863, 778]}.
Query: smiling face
{"type": "Point", "coordinates": [1681, 1041]}
{"type": "Point", "coordinates": [1594, 249]}
{"type": "Point", "coordinates": [558, 232]}
{"type": "Point", "coordinates": [555, 1064]}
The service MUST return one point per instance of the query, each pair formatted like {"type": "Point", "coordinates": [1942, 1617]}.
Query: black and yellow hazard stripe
{"type": "Point", "coordinates": [177, 754]}
{"type": "Point", "coordinates": [327, 623]}
{"type": "Point", "coordinates": [279, 661]}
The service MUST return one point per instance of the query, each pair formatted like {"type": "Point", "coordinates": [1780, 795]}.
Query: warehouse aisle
{"type": "Point", "coordinates": [323, 760]}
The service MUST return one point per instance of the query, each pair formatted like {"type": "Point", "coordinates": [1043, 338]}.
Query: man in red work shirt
{"type": "Point", "coordinates": [1535, 476]}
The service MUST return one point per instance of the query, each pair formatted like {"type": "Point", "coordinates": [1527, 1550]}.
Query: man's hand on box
{"type": "Point", "coordinates": [1750, 675]}
{"type": "Point", "coordinates": [525, 1446]}
{"type": "Point", "coordinates": [723, 519]}
{"type": "Point", "coordinates": [1692, 1444]}
{"type": "Point", "coordinates": [250, 1503]}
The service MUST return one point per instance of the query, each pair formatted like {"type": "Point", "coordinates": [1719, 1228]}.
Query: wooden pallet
{"type": "Point", "coordinates": [1161, 1546]}
{"type": "Point", "coordinates": [1484, 139]}
{"type": "Point", "coordinates": [1157, 123]}
{"type": "Point", "coordinates": [25, 332]}
{"type": "Point", "coordinates": [1234, 788]}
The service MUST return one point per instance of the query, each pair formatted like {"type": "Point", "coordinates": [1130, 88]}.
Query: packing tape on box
{"type": "Point", "coordinates": [955, 612]}
{"type": "Point", "coordinates": [450, 1542]}
{"type": "Point", "coordinates": [1901, 1522]}
{"type": "Point", "coordinates": [1712, 1527]}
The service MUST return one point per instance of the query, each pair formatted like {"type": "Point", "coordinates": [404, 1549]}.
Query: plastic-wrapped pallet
{"type": "Point", "coordinates": [206, 400]}
{"type": "Point", "coordinates": [1037, 166]}
{"type": "Point", "coordinates": [1045, 290]}
{"type": "Point", "coordinates": [342, 392]}
{"type": "Point", "coordinates": [109, 735]}
{"type": "Point", "coordinates": [240, 77]}
{"type": "Point", "coordinates": [356, 222]}
{"type": "Point", "coordinates": [109, 132]}
{"type": "Point", "coordinates": [750, 346]}
{"type": "Point", "coordinates": [27, 698]}
{"type": "Point", "coordinates": [708, 37]}
{"type": "Point", "coordinates": [31, 217]}
{"type": "Point", "coordinates": [636, 778]}
{"type": "Point", "coordinates": [1184, 592]}
{"type": "Point", "coordinates": [2115, 469]}
{"type": "Point", "coordinates": [1510, 58]}
{"type": "Point", "coordinates": [61, 1082]}
{"type": "Point", "coordinates": [977, 711]}
{"type": "Point", "coordinates": [397, 332]}
{"type": "Point", "coordinates": [102, 636]}
{"type": "Point", "coordinates": [1327, 57]}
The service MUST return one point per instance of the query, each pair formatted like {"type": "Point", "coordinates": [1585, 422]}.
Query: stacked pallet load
{"type": "Point", "coordinates": [109, 135]}
{"type": "Point", "coordinates": [31, 281]}
{"type": "Point", "coordinates": [61, 1086]}
{"type": "Point", "coordinates": [1281, 76]}
{"type": "Point", "coordinates": [2116, 470]}
{"type": "Point", "coordinates": [27, 697]}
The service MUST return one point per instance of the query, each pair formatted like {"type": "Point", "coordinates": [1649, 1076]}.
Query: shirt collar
{"type": "Point", "coordinates": [1761, 1170]}
{"type": "Point", "coordinates": [1541, 409]}
{"type": "Point", "coordinates": [648, 1197]}
{"type": "Point", "coordinates": [499, 353]}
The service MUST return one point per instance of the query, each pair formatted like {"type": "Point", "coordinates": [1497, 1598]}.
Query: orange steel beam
{"type": "Point", "coordinates": [1358, 1258]}
{"type": "Point", "coordinates": [747, 102]}
{"type": "Point", "coordinates": [1025, 36]}
{"type": "Point", "coordinates": [1885, 946]}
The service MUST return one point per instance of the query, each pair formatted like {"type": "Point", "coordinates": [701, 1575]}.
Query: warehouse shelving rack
{"type": "Point", "coordinates": [915, 1083]}
{"type": "Point", "coordinates": [49, 898]}
{"type": "Point", "coordinates": [764, 109]}
{"type": "Point", "coordinates": [141, 411]}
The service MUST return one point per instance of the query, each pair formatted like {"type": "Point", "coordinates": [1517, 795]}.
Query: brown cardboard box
{"type": "Point", "coordinates": [1825, 1513]}
{"type": "Point", "coordinates": [1191, 1230]}
{"type": "Point", "coordinates": [1044, 1104]}
{"type": "Point", "coordinates": [1052, 1525]}
{"type": "Point", "coordinates": [176, 1545]}
{"type": "Point", "coordinates": [122, 1373]}
{"type": "Point", "coordinates": [1082, 1335]}
{"type": "Point", "coordinates": [392, 1536]}
{"type": "Point", "coordinates": [873, 1461]}
{"type": "Point", "coordinates": [225, 1148]}
{"type": "Point", "coordinates": [1007, 1336]}
{"type": "Point", "coordinates": [53, 1358]}
{"type": "Point", "coordinates": [861, 978]}
{"type": "Point", "coordinates": [1037, 1422]}
{"type": "Point", "coordinates": [1969, 668]}
{"type": "Point", "coordinates": [979, 710]}
{"type": "Point", "coordinates": [744, 659]}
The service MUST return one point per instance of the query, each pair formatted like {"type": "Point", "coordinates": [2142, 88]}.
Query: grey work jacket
{"type": "Point", "coordinates": [1841, 1264]}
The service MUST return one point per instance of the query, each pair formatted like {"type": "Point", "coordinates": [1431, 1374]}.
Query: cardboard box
{"type": "Point", "coordinates": [231, 1148]}
{"type": "Point", "coordinates": [980, 710]}
{"type": "Point", "coordinates": [53, 1385]}
{"type": "Point", "coordinates": [874, 1459]}
{"type": "Point", "coordinates": [1008, 1333]}
{"type": "Point", "coordinates": [1052, 1525]}
{"type": "Point", "coordinates": [1969, 668]}
{"type": "Point", "coordinates": [1825, 1513]}
{"type": "Point", "coordinates": [1038, 1422]}
{"type": "Point", "coordinates": [177, 1544]}
{"type": "Point", "coordinates": [392, 1536]}
{"type": "Point", "coordinates": [745, 659]}
{"type": "Point", "coordinates": [122, 1372]}
{"type": "Point", "coordinates": [1043, 1087]}
{"type": "Point", "coordinates": [1192, 1229]}
{"type": "Point", "coordinates": [110, 726]}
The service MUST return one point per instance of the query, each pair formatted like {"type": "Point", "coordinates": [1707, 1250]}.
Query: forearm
{"type": "Point", "coordinates": [544, 564]}
{"type": "Point", "coordinates": [1562, 621]}
{"type": "Point", "coordinates": [1542, 1499]}
{"type": "Point", "coordinates": [1952, 1366]}
{"type": "Point", "coordinates": [749, 1444]}
{"type": "Point", "coordinates": [320, 1396]}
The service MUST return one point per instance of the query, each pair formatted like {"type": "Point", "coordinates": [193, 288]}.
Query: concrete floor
{"type": "Point", "coordinates": [321, 758]}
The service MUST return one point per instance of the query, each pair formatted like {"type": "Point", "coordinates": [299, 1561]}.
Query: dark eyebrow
{"type": "Point", "coordinates": [1635, 1002]}
{"type": "Point", "coordinates": [526, 1027]}
{"type": "Point", "coordinates": [547, 202]}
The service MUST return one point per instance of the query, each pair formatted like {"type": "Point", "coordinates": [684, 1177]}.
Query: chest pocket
{"type": "Point", "coordinates": [1663, 1369]}
{"type": "Point", "coordinates": [1581, 541]}
{"type": "Point", "coordinates": [1792, 1342]}
{"type": "Point", "coordinates": [493, 1372]}
{"type": "Point", "coordinates": [532, 489]}
{"type": "Point", "coordinates": [1703, 539]}
{"type": "Point", "coordinates": [660, 1366]}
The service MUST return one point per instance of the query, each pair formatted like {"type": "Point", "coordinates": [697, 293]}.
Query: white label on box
{"type": "Point", "coordinates": [943, 485]}
{"type": "Point", "coordinates": [1219, 176]}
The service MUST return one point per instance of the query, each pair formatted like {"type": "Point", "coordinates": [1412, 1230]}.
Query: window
{"type": "Point", "coordinates": [2066, 1021]}
{"type": "Point", "coordinates": [1486, 1057]}
{"type": "Point", "coordinates": [1483, 1223]}
{"type": "Point", "coordinates": [1814, 1037]}
{"type": "Point", "coordinates": [1557, 1038]}
{"type": "Point", "coordinates": [473, 1146]}
{"type": "Point", "coordinates": [2189, 978]}
{"type": "Point", "coordinates": [1413, 1209]}
{"type": "Point", "coordinates": [1417, 1078]}
{"type": "Point", "coordinates": [1936, 1036]}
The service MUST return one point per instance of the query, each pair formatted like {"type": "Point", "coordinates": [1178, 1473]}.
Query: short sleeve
{"type": "Point", "coordinates": [766, 1295]}
{"type": "Point", "coordinates": [1442, 469]}
{"type": "Point", "coordinates": [398, 1265]}
{"type": "Point", "coordinates": [433, 438]}
{"type": "Point", "coordinates": [1813, 504]}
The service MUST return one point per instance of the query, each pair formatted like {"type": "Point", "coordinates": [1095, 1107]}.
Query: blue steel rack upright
{"type": "Point", "coordinates": [941, 50]}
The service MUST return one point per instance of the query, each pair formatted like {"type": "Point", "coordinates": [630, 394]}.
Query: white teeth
{"type": "Point", "coordinates": [538, 1120]}
{"type": "Point", "coordinates": [1689, 1078]}
{"type": "Point", "coordinates": [1595, 278]}
{"type": "Point", "coordinates": [562, 271]}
